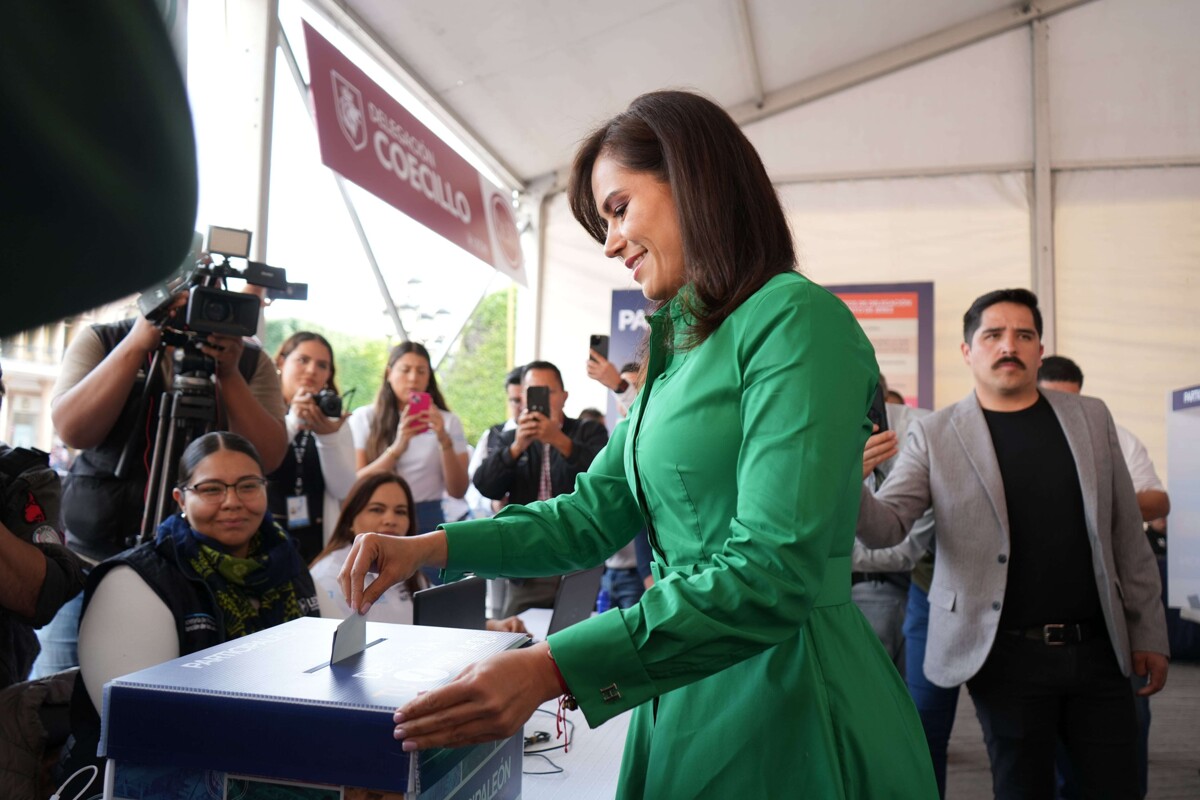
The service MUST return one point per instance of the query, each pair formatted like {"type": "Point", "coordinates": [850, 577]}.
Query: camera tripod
{"type": "Point", "coordinates": [186, 411]}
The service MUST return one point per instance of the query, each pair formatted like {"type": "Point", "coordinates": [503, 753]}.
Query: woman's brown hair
{"type": "Point", "coordinates": [735, 234]}
{"type": "Point", "coordinates": [359, 497]}
{"type": "Point", "coordinates": [387, 405]}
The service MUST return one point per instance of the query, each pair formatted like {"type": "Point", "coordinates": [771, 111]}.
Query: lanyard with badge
{"type": "Point", "coordinates": [297, 503]}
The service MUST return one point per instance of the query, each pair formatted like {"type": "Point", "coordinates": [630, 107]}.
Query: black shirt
{"type": "Point", "coordinates": [1050, 573]}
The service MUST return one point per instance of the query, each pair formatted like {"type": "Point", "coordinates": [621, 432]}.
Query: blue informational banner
{"type": "Point", "coordinates": [1183, 474]}
{"type": "Point", "coordinates": [1185, 398]}
{"type": "Point", "coordinates": [628, 329]}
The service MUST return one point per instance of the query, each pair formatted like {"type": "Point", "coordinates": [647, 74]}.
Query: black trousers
{"type": "Point", "coordinates": [1029, 695]}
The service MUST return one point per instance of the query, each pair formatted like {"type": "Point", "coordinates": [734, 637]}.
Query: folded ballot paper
{"type": "Point", "coordinates": [274, 704]}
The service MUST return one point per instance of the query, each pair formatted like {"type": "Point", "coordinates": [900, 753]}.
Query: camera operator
{"type": "Point", "coordinates": [37, 573]}
{"type": "Point", "coordinates": [95, 409]}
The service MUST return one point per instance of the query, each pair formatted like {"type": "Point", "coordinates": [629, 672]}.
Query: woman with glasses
{"type": "Point", "coordinates": [217, 570]}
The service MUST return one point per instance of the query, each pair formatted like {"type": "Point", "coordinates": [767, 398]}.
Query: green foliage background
{"type": "Point", "coordinates": [471, 376]}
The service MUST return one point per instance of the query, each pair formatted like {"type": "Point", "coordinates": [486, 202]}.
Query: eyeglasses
{"type": "Point", "coordinates": [213, 492]}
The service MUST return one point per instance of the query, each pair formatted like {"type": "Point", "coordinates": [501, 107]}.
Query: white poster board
{"type": "Point", "coordinates": [1183, 533]}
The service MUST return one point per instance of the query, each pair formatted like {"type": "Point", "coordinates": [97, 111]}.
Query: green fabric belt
{"type": "Point", "coordinates": [834, 592]}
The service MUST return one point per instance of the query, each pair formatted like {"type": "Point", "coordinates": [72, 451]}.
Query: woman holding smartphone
{"type": "Point", "coordinates": [410, 431]}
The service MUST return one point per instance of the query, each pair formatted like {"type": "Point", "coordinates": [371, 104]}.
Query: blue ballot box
{"type": "Point", "coordinates": [271, 705]}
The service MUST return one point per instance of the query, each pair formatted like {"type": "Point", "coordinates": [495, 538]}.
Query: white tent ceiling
{"type": "Point", "coordinates": [526, 79]}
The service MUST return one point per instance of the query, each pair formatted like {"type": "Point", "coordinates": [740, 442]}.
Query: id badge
{"type": "Point", "coordinates": [297, 507]}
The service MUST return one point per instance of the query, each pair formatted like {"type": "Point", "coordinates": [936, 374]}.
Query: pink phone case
{"type": "Point", "coordinates": [418, 402]}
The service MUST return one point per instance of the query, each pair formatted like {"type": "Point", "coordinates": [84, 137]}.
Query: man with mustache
{"type": "Point", "coordinates": [1045, 593]}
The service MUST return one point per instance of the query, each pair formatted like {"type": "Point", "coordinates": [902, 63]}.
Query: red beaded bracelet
{"type": "Point", "coordinates": [568, 700]}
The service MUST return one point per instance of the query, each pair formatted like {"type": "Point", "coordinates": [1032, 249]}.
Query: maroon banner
{"type": "Point", "coordinates": [370, 139]}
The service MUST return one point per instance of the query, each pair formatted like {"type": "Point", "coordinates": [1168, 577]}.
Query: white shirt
{"type": "Point", "coordinates": [421, 464]}
{"type": "Point", "coordinates": [625, 399]}
{"type": "Point", "coordinates": [127, 627]}
{"type": "Point", "coordinates": [625, 558]}
{"type": "Point", "coordinates": [1141, 468]}
{"type": "Point", "coordinates": [394, 605]}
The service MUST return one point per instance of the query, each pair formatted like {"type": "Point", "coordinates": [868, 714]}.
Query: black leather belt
{"type": "Point", "coordinates": [1058, 633]}
{"type": "Point", "coordinates": [862, 577]}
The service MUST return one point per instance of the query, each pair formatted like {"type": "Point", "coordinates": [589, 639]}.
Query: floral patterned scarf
{"type": "Point", "coordinates": [253, 593]}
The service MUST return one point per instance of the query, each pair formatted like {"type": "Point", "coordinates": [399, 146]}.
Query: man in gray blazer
{"type": "Point", "coordinates": [1045, 592]}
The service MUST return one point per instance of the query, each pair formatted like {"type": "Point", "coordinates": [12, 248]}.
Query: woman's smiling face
{"type": "Point", "coordinates": [239, 499]}
{"type": "Point", "coordinates": [386, 512]}
{"type": "Point", "coordinates": [643, 226]}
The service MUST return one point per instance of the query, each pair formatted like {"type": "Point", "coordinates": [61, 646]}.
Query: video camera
{"type": "Point", "coordinates": [210, 307]}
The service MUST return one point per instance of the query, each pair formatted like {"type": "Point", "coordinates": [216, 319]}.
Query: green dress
{"type": "Point", "coordinates": [751, 672]}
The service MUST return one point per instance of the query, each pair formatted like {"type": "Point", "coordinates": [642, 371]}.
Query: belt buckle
{"type": "Point", "coordinates": [1054, 634]}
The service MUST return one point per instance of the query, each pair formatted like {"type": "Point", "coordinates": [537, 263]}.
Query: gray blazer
{"type": "Point", "coordinates": [948, 461]}
{"type": "Point", "coordinates": [904, 556]}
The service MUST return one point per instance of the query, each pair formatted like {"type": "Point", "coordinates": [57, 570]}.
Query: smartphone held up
{"type": "Point", "coordinates": [877, 413]}
{"type": "Point", "coordinates": [599, 343]}
{"type": "Point", "coordinates": [418, 402]}
{"type": "Point", "coordinates": [537, 398]}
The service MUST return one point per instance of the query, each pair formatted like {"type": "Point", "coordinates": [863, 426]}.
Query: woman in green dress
{"type": "Point", "coordinates": [750, 670]}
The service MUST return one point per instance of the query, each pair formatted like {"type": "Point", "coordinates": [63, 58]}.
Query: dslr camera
{"type": "Point", "coordinates": [329, 402]}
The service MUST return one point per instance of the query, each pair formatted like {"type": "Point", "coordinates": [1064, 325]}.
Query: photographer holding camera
{"type": "Point", "coordinates": [305, 491]}
{"type": "Point", "coordinates": [95, 408]}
